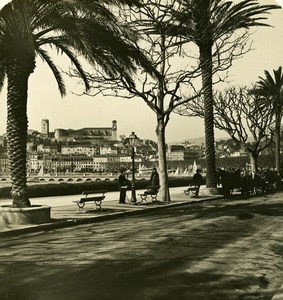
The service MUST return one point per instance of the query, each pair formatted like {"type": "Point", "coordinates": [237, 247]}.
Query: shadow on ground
{"type": "Point", "coordinates": [220, 250]}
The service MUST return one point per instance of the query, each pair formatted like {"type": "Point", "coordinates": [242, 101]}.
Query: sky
{"type": "Point", "coordinates": [45, 102]}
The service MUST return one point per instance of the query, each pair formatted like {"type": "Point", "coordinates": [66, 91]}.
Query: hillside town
{"type": "Point", "coordinates": [100, 149]}
{"type": "Point", "coordinates": [90, 149]}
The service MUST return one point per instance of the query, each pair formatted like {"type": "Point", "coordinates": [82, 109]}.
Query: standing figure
{"type": "Point", "coordinates": [154, 180]}
{"type": "Point", "coordinates": [197, 181]}
{"type": "Point", "coordinates": [123, 187]}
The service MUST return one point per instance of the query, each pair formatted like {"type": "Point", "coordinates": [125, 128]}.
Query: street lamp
{"type": "Point", "coordinates": [132, 141]}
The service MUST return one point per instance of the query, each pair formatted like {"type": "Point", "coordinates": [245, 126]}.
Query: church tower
{"type": "Point", "coordinates": [114, 130]}
{"type": "Point", "coordinates": [45, 127]}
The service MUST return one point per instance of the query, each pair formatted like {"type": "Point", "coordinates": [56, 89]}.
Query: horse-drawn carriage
{"type": "Point", "coordinates": [246, 183]}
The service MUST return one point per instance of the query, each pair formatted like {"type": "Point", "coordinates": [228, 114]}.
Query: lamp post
{"type": "Point", "coordinates": [132, 141]}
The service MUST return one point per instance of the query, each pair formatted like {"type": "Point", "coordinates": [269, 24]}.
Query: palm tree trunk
{"type": "Point", "coordinates": [17, 125]}
{"type": "Point", "coordinates": [277, 151]}
{"type": "Point", "coordinates": [206, 69]}
{"type": "Point", "coordinates": [162, 162]}
{"type": "Point", "coordinates": [277, 140]}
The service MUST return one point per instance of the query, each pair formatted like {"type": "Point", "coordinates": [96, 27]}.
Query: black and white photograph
{"type": "Point", "coordinates": [141, 149]}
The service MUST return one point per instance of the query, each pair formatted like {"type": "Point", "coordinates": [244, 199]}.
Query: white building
{"type": "Point", "coordinates": [78, 149]}
{"type": "Point", "coordinates": [108, 150]}
{"type": "Point", "coordinates": [99, 163]}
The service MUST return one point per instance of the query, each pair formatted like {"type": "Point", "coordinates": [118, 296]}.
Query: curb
{"type": "Point", "coordinates": [106, 217]}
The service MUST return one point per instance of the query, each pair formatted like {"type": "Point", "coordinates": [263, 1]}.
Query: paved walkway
{"type": "Point", "coordinates": [64, 212]}
{"type": "Point", "coordinates": [204, 234]}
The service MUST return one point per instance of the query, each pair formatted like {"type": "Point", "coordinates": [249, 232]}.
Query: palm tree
{"type": "Point", "coordinates": [271, 89]}
{"type": "Point", "coordinates": [75, 28]}
{"type": "Point", "coordinates": [204, 22]}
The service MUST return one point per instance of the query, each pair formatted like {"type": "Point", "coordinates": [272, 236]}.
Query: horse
{"type": "Point", "coordinates": [229, 181]}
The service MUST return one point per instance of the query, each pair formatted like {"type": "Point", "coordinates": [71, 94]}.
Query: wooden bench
{"type": "Point", "coordinates": [96, 196]}
{"type": "Point", "coordinates": [192, 190]}
{"type": "Point", "coordinates": [152, 192]}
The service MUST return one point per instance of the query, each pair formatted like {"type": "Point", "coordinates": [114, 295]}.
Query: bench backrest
{"type": "Point", "coordinates": [94, 192]}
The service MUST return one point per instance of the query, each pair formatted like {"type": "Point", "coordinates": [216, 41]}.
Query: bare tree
{"type": "Point", "coordinates": [236, 112]}
{"type": "Point", "coordinates": [174, 74]}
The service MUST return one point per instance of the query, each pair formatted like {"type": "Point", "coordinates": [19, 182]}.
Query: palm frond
{"type": "Point", "coordinates": [271, 87]}
{"type": "Point", "coordinates": [211, 19]}
{"type": "Point", "coordinates": [75, 27]}
{"type": "Point", "coordinates": [2, 75]}
{"type": "Point", "coordinates": [60, 82]}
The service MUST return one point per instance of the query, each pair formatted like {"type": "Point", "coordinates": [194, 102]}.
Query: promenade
{"type": "Point", "coordinates": [195, 249]}
{"type": "Point", "coordinates": [64, 212]}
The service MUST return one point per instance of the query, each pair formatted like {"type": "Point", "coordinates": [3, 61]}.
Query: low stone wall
{"type": "Point", "coordinates": [36, 214]}
{"type": "Point", "coordinates": [50, 189]}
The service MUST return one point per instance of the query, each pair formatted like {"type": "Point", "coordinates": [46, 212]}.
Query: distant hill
{"type": "Point", "coordinates": [198, 141]}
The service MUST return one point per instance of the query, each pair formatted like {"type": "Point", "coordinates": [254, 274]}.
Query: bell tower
{"type": "Point", "coordinates": [45, 127]}
{"type": "Point", "coordinates": [114, 130]}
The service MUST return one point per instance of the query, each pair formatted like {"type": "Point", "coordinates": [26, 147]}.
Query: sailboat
{"type": "Point", "coordinates": [40, 172]}
{"type": "Point", "coordinates": [177, 172]}
{"type": "Point", "coordinates": [194, 167]}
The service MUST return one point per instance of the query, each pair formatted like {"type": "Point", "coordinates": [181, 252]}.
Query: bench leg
{"type": "Point", "coordinates": [154, 198]}
{"type": "Point", "coordinates": [187, 193]}
{"type": "Point", "coordinates": [143, 198]}
{"type": "Point", "coordinates": [80, 205]}
{"type": "Point", "coordinates": [98, 204]}
{"type": "Point", "coordinates": [192, 192]}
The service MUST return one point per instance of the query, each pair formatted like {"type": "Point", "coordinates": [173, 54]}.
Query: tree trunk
{"type": "Point", "coordinates": [253, 161]}
{"type": "Point", "coordinates": [162, 161]}
{"type": "Point", "coordinates": [277, 151]}
{"type": "Point", "coordinates": [17, 125]}
{"type": "Point", "coordinates": [206, 69]}
{"type": "Point", "coordinates": [277, 141]}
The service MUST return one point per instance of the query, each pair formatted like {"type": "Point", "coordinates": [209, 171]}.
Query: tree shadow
{"type": "Point", "coordinates": [121, 280]}
{"type": "Point", "coordinates": [148, 261]}
{"type": "Point", "coordinates": [241, 211]}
